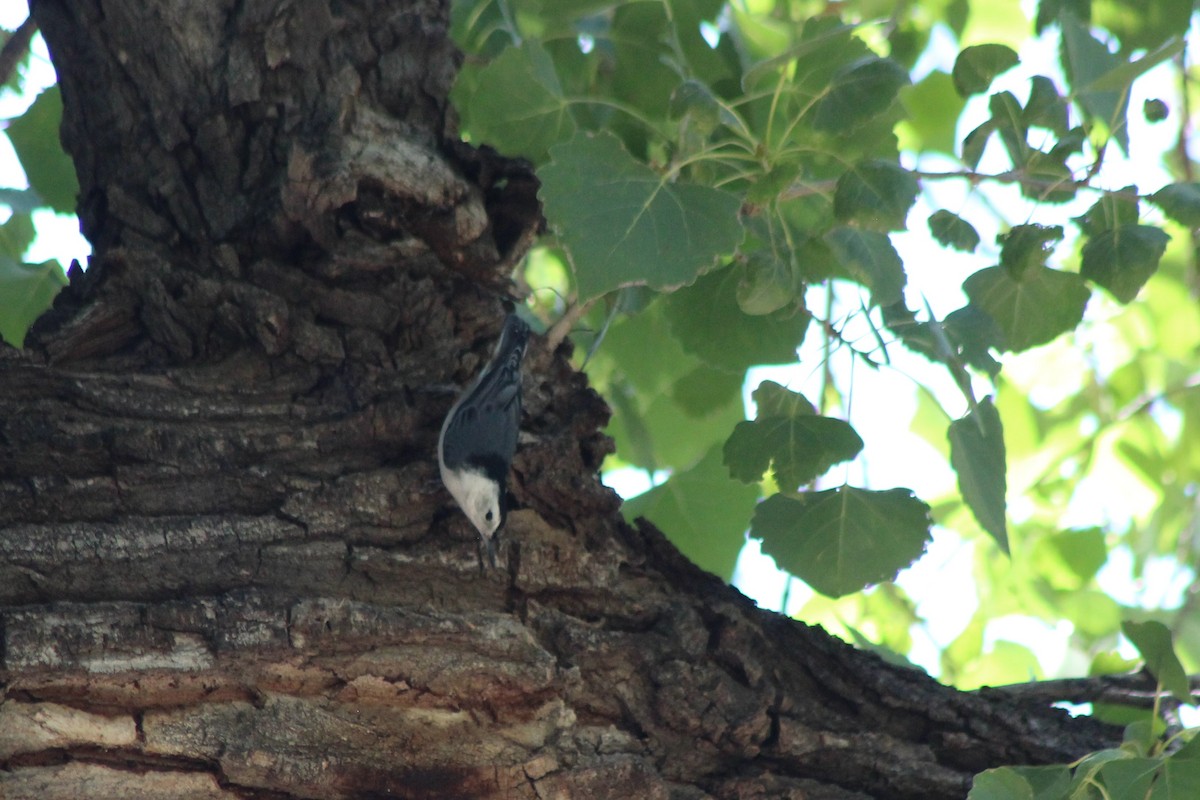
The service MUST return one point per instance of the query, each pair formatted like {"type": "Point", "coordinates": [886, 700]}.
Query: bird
{"type": "Point", "coordinates": [479, 436]}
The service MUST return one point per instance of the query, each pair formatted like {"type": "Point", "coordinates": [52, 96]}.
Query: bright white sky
{"type": "Point", "coordinates": [882, 402]}
{"type": "Point", "coordinates": [58, 234]}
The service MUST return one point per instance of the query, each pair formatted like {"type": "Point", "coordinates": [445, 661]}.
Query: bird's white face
{"type": "Point", "coordinates": [479, 499]}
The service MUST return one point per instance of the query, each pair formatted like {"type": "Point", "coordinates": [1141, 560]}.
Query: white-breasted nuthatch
{"type": "Point", "coordinates": [479, 436]}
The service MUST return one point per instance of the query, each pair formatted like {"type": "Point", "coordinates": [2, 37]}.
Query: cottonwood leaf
{"type": "Point", "coordinates": [1001, 783]}
{"type": "Point", "coordinates": [800, 448]}
{"type": "Point", "coordinates": [696, 101]}
{"type": "Point", "coordinates": [1111, 211]}
{"type": "Point", "coordinates": [976, 67]}
{"type": "Point", "coordinates": [774, 400]}
{"type": "Point", "coordinates": [1008, 117]}
{"type": "Point", "coordinates": [1153, 640]}
{"type": "Point", "coordinates": [16, 234]}
{"type": "Point", "coordinates": [705, 389]}
{"type": "Point", "coordinates": [975, 142]}
{"type": "Point", "coordinates": [26, 290]}
{"type": "Point", "coordinates": [1129, 777]}
{"type": "Point", "coordinates": [841, 540]}
{"type": "Point", "coordinates": [1026, 246]}
{"type": "Point", "coordinates": [709, 324]}
{"type": "Point", "coordinates": [1046, 108]}
{"type": "Point", "coordinates": [875, 193]}
{"type": "Point", "coordinates": [34, 137]}
{"type": "Point", "coordinates": [857, 92]}
{"type": "Point", "coordinates": [768, 283]}
{"type": "Point", "coordinates": [517, 105]}
{"type": "Point", "coordinates": [977, 456]}
{"type": "Point", "coordinates": [21, 201]}
{"type": "Point", "coordinates": [1123, 259]}
{"type": "Point", "coordinates": [1086, 61]}
{"type": "Point", "coordinates": [1033, 310]}
{"type": "Point", "coordinates": [1180, 202]}
{"type": "Point", "coordinates": [624, 224]}
{"type": "Point", "coordinates": [933, 108]}
{"type": "Point", "coordinates": [872, 260]}
{"type": "Point", "coordinates": [1181, 773]}
{"type": "Point", "coordinates": [1155, 110]}
{"type": "Point", "coordinates": [951, 230]}
{"type": "Point", "coordinates": [702, 511]}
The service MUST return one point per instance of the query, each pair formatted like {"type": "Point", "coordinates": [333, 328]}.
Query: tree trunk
{"type": "Point", "coordinates": [227, 565]}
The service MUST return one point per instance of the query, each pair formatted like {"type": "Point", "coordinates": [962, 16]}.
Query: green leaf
{"type": "Point", "coordinates": [639, 69]}
{"type": "Point", "coordinates": [975, 142]}
{"type": "Point", "coordinates": [768, 283]}
{"type": "Point", "coordinates": [623, 224]}
{"type": "Point", "coordinates": [21, 201]}
{"type": "Point", "coordinates": [1129, 777]}
{"type": "Point", "coordinates": [694, 100]}
{"type": "Point", "coordinates": [1155, 110]}
{"type": "Point", "coordinates": [1153, 640]}
{"type": "Point", "coordinates": [26, 290]}
{"type": "Point", "coordinates": [1047, 179]}
{"type": "Point", "coordinates": [977, 456]}
{"type": "Point", "coordinates": [16, 235]}
{"type": "Point", "coordinates": [768, 186]}
{"type": "Point", "coordinates": [717, 65]}
{"type": "Point", "coordinates": [1033, 310]}
{"type": "Point", "coordinates": [655, 432]}
{"type": "Point", "coordinates": [711, 304]}
{"type": "Point", "coordinates": [1111, 211]}
{"type": "Point", "coordinates": [1026, 246]}
{"type": "Point", "coordinates": [976, 67]}
{"type": "Point", "coordinates": [875, 193]}
{"type": "Point", "coordinates": [1049, 783]}
{"type": "Point", "coordinates": [1069, 143]}
{"type": "Point", "coordinates": [702, 511]}
{"type": "Point", "coordinates": [516, 104]}
{"type": "Point", "coordinates": [1182, 772]}
{"type": "Point", "coordinates": [1143, 26]}
{"type": "Point", "coordinates": [1070, 559]}
{"type": "Point", "coordinates": [774, 400]}
{"type": "Point", "coordinates": [933, 108]}
{"type": "Point", "coordinates": [872, 260]}
{"type": "Point", "coordinates": [704, 390]}
{"type": "Point", "coordinates": [976, 334]}
{"type": "Point", "coordinates": [651, 370]}
{"type": "Point", "coordinates": [1086, 61]}
{"type": "Point", "coordinates": [1094, 614]}
{"type": "Point", "coordinates": [1111, 663]}
{"type": "Point", "coordinates": [1009, 118]}
{"type": "Point", "coordinates": [1046, 108]}
{"type": "Point", "coordinates": [800, 444]}
{"type": "Point", "coordinates": [1180, 202]}
{"type": "Point", "coordinates": [1123, 259]}
{"type": "Point", "coordinates": [34, 136]}
{"type": "Point", "coordinates": [1120, 77]}
{"type": "Point", "coordinates": [951, 230]}
{"type": "Point", "coordinates": [858, 92]}
{"type": "Point", "coordinates": [841, 540]}
{"type": "Point", "coordinates": [1001, 783]}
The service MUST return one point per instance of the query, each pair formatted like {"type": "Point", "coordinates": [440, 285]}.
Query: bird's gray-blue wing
{"type": "Point", "coordinates": [481, 431]}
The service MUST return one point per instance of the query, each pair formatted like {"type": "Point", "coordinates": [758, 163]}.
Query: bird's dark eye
{"type": "Point", "coordinates": [489, 516]}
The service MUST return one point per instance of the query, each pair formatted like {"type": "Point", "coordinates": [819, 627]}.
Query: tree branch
{"type": "Point", "coordinates": [15, 48]}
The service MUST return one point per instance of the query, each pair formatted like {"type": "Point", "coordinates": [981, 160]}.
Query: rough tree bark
{"type": "Point", "coordinates": [227, 567]}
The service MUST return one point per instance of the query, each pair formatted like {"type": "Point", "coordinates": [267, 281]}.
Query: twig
{"type": "Point", "coordinates": [15, 48]}
{"type": "Point", "coordinates": [1137, 689]}
{"type": "Point", "coordinates": [566, 322]}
